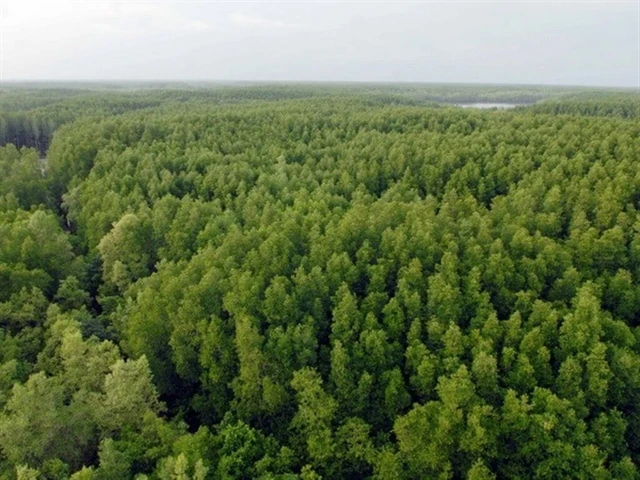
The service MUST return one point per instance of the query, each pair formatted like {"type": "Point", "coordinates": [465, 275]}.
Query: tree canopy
{"type": "Point", "coordinates": [300, 282]}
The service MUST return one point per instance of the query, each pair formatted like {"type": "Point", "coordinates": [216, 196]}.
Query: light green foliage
{"type": "Point", "coordinates": [178, 468]}
{"type": "Point", "coordinates": [479, 471]}
{"type": "Point", "coordinates": [86, 473]}
{"type": "Point", "coordinates": [113, 463]}
{"type": "Point", "coordinates": [315, 414]}
{"type": "Point", "coordinates": [34, 252]}
{"type": "Point", "coordinates": [30, 426]}
{"type": "Point", "coordinates": [92, 394]}
{"type": "Point", "coordinates": [23, 181]}
{"type": "Point", "coordinates": [125, 251]}
{"type": "Point", "coordinates": [23, 472]}
{"type": "Point", "coordinates": [129, 394]}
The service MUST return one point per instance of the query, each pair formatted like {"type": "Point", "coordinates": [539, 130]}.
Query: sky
{"type": "Point", "coordinates": [522, 42]}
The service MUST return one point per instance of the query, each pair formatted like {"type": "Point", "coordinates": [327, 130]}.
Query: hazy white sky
{"type": "Point", "coordinates": [579, 43]}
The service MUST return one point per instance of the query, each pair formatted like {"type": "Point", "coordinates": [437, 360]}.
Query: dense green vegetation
{"type": "Point", "coordinates": [29, 115]}
{"type": "Point", "coordinates": [601, 104]}
{"type": "Point", "coordinates": [300, 282]}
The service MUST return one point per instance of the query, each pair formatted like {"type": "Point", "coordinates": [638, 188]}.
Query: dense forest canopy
{"type": "Point", "coordinates": [310, 281]}
{"type": "Point", "coordinates": [30, 113]}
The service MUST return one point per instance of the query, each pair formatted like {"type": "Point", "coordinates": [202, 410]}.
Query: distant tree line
{"type": "Point", "coordinates": [32, 113]}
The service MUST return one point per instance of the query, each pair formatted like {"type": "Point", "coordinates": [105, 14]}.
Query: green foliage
{"type": "Point", "coordinates": [23, 180]}
{"type": "Point", "coordinates": [307, 282]}
{"type": "Point", "coordinates": [34, 252]}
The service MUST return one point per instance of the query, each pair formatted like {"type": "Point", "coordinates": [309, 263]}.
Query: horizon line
{"type": "Point", "coordinates": [285, 82]}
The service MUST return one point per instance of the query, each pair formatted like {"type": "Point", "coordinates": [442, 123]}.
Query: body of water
{"type": "Point", "coordinates": [483, 105]}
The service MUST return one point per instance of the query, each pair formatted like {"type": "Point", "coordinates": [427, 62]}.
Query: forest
{"type": "Point", "coordinates": [308, 281]}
